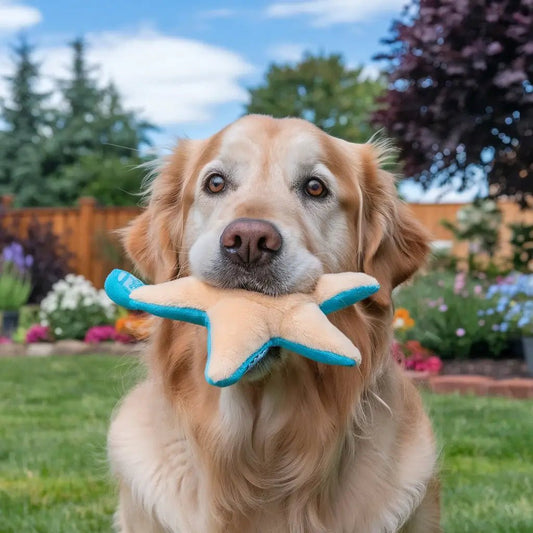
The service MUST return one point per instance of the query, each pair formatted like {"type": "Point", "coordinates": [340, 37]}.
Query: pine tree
{"type": "Point", "coordinates": [24, 117]}
{"type": "Point", "coordinates": [95, 146]}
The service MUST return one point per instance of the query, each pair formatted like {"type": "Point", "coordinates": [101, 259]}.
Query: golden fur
{"type": "Point", "coordinates": [306, 447]}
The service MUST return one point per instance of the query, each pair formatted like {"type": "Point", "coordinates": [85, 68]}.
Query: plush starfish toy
{"type": "Point", "coordinates": [242, 325]}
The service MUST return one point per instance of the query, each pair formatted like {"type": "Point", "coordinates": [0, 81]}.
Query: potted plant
{"type": "Point", "coordinates": [15, 285]}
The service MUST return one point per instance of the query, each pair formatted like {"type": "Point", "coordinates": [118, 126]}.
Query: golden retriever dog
{"type": "Point", "coordinates": [295, 446]}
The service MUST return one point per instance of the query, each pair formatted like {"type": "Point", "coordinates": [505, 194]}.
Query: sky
{"type": "Point", "coordinates": [186, 65]}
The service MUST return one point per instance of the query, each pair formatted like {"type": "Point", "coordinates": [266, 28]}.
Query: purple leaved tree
{"type": "Point", "coordinates": [460, 94]}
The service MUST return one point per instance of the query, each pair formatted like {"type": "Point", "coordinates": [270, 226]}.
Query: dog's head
{"type": "Point", "coordinates": [271, 204]}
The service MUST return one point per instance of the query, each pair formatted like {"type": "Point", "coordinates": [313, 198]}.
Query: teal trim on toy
{"type": "Point", "coordinates": [243, 325]}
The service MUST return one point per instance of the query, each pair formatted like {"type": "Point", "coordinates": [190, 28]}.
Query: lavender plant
{"type": "Point", "coordinates": [15, 278]}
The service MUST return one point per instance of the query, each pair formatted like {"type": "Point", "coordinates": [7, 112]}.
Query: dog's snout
{"type": "Point", "coordinates": [250, 241]}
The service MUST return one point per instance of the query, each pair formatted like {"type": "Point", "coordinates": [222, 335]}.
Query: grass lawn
{"type": "Point", "coordinates": [53, 474]}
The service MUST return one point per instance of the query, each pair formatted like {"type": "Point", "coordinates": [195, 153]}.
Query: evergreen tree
{"type": "Point", "coordinates": [24, 118]}
{"type": "Point", "coordinates": [93, 132]}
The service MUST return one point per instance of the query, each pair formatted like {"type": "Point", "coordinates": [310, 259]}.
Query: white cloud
{"type": "Point", "coordinates": [15, 16]}
{"type": "Point", "coordinates": [170, 79]}
{"type": "Point", "coordinates": [329, 12]}
{"type": "Point", "coordinates": [287, 52]}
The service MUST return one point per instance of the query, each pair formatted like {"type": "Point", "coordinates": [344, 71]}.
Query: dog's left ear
{"type": "Point", "coordinates": [395, 244]}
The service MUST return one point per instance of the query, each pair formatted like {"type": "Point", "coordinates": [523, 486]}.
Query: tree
{"type": "Point", "coordinates": [322, 90]}
{"type": "Point", "coordinates": [95, 146]}
{"type": "Point", "coordinates": [460, 94]}
{"type": "Point", "coordinates": [24, 117]}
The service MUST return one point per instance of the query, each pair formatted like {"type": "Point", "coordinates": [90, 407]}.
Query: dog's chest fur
{"type": "Point", "coordinates": [364, 483]}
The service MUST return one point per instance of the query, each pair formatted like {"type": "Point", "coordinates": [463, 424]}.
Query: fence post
{"type": "Point", "coordinates": [86, 235]}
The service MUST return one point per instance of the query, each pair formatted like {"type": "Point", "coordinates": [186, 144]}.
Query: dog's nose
{"type": "Point", "coordinates": [250, 241]}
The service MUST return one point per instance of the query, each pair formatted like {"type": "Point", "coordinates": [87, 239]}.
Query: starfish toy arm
{"type": "Point", "coordinates": [337, 291]}
{"type": "Point", "coordinates": [182, 299]}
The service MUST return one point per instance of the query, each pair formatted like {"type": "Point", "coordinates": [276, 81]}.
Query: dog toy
{"type": "Point", "coordinates": [242, 325]}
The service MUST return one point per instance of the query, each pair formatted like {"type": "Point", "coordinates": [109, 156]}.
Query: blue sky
{"type": "Point", "coordinates": [186, 65]}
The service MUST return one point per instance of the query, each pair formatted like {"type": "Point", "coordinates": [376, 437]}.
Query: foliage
{"type": "Point", "coordinates": [87, 144]}
{"type": "Point", "coordinates": [513, 298]}
{"type": "Point", "coordinates": [323, 90]}
{"type": "Point", "coordinates": [73, 306]}
{"type": "Point", "coordinates": [445, 308]}
{"type": "Point", "coordinates": [479, 224]}
{"type": "Point", "coordinates": [15, 279]}
{"type": "Point", "coordinates": [24, 120]}
{"type": "Point", "coordinates": [522, 246]}
{"type": "Point", "coordinates": [50, 255]}
{"type": "Point", "coordinates": [461, 91]}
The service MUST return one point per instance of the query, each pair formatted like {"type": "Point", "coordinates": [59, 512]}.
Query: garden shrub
{"type": "Point", "coordinates": [522, 246]}
{"type": "Point", "coordinates": [50, 255]}
{"type": "Point", "coordinates": [446, 310]}
{"type": "Point", "coordinates": [73, 306]}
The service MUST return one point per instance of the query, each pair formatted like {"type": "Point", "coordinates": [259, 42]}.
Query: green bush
{"type": "Point", "coordinates": [446, 309]}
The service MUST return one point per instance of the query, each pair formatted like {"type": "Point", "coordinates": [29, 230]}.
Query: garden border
{"type": "Point", "coordinates": [518, 388]}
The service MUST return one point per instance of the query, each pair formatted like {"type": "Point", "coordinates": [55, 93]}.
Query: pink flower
{"type": "Point", "coordinates": [98, 334]}
{"type": "Point", "coordinates": [5, 340]}
{"type": "Point", "coordinates": [460, 332]}
{"type": "Point", "coordinates": [459, 283]}
{"type": "Point", "coordinates": [38, 333]}
{"type": "Point", "coordinates": [478, 289]}
{"type": "Point", "coordinates": [443, 308]}
{"type": "Point", "coordinates": [433, 364]}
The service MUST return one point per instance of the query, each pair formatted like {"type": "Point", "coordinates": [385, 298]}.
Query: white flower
{"type": "Point", "coordinates": [58, 331]}
{"type": "Point", "coordinates": [45, 323]}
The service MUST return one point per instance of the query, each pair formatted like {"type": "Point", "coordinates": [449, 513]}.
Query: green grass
{"type": "Point", "coordinates": [53, 473]}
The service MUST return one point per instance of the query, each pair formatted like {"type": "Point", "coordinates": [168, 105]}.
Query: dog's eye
{"type": "Point", "coordinates": [215, 183]}
{"type": "Point", "coordinates": [315, 188]}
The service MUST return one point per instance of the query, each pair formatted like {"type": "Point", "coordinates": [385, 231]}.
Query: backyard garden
{"type": "Point", "coordinates": [72, 162]}
{"type": "Point", "coordinates": [67, 361]}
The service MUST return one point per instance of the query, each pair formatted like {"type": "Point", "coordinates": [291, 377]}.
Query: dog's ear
{"type": "Point", "coordinates": [150, 248]}
{"type": "Point", "coordinates": [395, 244]}
{"type": "Point", "coordinates": [153, 240]}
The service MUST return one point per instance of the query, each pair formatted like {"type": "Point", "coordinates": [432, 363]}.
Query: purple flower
{"type": "Point", "coordinates": [478, 289]}
{"type": "Point", "coordinates": [495, 327]}
{"type": "Point", "coordinates": [460, 332]}
{"type": "Point", "coordinates": [14, 253]}
{"type": "Point", "coordinates": [443, 308]}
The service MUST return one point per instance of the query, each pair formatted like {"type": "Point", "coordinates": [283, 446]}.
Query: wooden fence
{"type": "Point", "coordinates": [88, 230]}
